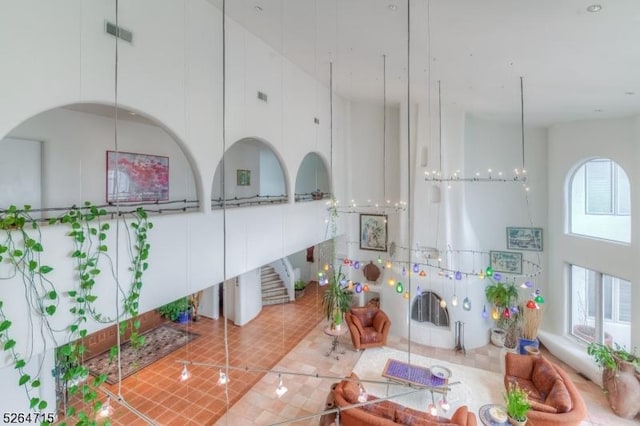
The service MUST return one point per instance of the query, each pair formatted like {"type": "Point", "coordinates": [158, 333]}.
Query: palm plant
{"type": "Point", "coordinates": [336, 299]}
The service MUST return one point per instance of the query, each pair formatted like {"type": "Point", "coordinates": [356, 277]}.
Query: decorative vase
{"type": "Point", "coordinates": [497, 337]}
{"type": "Point", "coordinates": [623, 389]}
{"type": "Point", "coordinates": [183, 317]}
{"type": "Point", "coordinates": [522, 342]}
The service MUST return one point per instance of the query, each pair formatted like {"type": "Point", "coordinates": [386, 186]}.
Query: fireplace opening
{"type": "Point", "coordinates": [426, 308]}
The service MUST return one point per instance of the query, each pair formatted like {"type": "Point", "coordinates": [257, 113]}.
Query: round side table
{"type": "Point", "coordinates": [487, 419]}
{"type": "Point", "coordinates": [335, 342]}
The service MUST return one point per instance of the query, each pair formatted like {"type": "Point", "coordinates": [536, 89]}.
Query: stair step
{"type": "Point", "coordinates": [271, 284]}
{"type": "Point", "coordinates": [274, 292]}
{"type": "Point", "coordinates": [275, 300]}
{"type": "Point", "coordinates": [269, 276]}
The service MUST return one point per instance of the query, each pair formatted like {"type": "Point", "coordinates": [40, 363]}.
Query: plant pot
{"type": "Point", "coordinates": [183, 317]}
{"type": "Point", "coordinates": [623, 389]}
{"type": "Point", "coordinates": [497, 337]}
{"type": "Point", "coordinates": [299, 293]}
{"type": "Point", "coordinates": [515, 422]}
{"type": "Point", "coordinates": [522, 343]}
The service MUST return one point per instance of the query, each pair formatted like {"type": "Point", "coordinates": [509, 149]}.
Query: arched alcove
{"type": "Point", "coordinates": [254, 175]}
{"type": "Point", "coordinates": [69, 155]}
{"type": "Point", "coordinates": [312, 180]}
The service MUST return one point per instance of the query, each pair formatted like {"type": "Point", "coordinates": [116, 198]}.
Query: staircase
{"type": "Point", "coordinates": [273, 290]}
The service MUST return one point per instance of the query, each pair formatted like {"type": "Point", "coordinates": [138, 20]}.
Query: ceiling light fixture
{"type": "Point", "coordinates": [630, 93]}
{"type": "Point", "coordinates": [223, 379]}
{"type": "Point", "coordinates": [594, 8]}
{"type": "Point", "coordinates": [185, 374]}
{"type": "Point", "coordinates": [392, 7]}
{"type": "Point", "coordinates": [281, 389]}
{"type": "Point", "coordinates": [258, 8]}
{"type": "Point", "coordinates": [106, 410]}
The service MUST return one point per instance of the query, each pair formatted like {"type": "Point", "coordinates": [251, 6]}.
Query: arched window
{"type": "Point", "coordinates": [600, 201]}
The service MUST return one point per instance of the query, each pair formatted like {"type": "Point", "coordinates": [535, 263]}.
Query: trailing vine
{"type": "Point", "coordinates": [21, 250]}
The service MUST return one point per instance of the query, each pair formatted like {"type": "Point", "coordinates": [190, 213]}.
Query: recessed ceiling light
{"type": "Point", "coordinates": [393, 7]}
{"type": "Point", "coordinates": [594, 8]}
{"type": "Point", "coordinates": [597, 110]}
{"type": "Point", "coordinates": [630, 93]}
{"type": "Point", "coordinates": [132, 113]}
{"type": "Point", "coordinates": [258, 8]}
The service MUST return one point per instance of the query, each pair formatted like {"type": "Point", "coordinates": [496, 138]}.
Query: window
{"type": "Point", "coordinates": [600, 307]}
{"type": "Point", "coordinates": [607, 188]}
{"type": "Point", "coordinates": [600, 201]}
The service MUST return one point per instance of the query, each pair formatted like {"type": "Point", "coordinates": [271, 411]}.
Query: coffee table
{"type": "Point", "coordinates": [415, 375]}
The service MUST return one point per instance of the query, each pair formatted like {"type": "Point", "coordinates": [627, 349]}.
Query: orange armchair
{"type": "Point", "coordinates": [369, 327]}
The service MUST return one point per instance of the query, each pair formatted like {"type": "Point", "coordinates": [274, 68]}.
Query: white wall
{"type": "Point", "coordinates": [247, 305]}
{"type": "Point", "coordinates": [569, 146]}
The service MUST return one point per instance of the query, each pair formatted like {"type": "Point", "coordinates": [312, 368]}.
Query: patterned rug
{"type": "Point", "coordinates": [159, 342]}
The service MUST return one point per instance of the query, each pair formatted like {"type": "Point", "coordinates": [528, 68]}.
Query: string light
{"type": "Point", "coordinates": [106, 410]}
{"type": "Point", "coordinates": [223, 379]}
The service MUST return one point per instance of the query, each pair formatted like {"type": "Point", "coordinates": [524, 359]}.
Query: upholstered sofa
{"type": "Point", "coordinates": [553, 395]}
{"type": "Point", "coordinates": [369, 326]}
{"type": "Point", "coordinates": [388, 413]}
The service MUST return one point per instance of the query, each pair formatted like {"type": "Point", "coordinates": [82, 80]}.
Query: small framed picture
{"type": "Point", "coordinates": [509, 262]}
{"type": "Point", "coordinates": [243, 177]}
{"type": "Point", "coordinates": [524, 238]}
{"type": "Point", "coordinates": [373, 232]}
{"type": "Point", "coordinates": [133, 177]}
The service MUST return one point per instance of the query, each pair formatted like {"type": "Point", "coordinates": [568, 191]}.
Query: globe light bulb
{"type": "Point", "coordinates": [406, 295]}
{"type": "Point", "coordinates": [495, 313]}
{"type": "Point", "coordinates": [356, 264]}
{"type": "Point", "coordinates": [418, 291]}
{"type": "Point", "coordinates": [489, 271]}
{"type": "Point", "coordinates": [485, 314]}
{"type": "Point", "coordinates": [466, 304]}
{"type": "Point", "coordinates": [399, 288]}
{"type": "Point", "coordinates": [458, 275]}
{"type": "Point", "coordinates": [454, 300]}
{"type": "Point", "coordinates": [391, 282]}
{"type": "Point", "coordinates": [443, 303]}
{"type": "Point", "coordinates": [365, 288]}
{"type": "Point", "coordinates": [497, 276]}
{"type": "Point", "coordinates": [416, 268]}
{"type": "Point", "coordinates": [387, 265]}
{"type": "Point", "coordinates": [358, 288]}
{"type": "Point", "coordinates": [422, 273]}
{"type": "Point", "coordinates": [539, 299]}
{"type": "Point", "coordinates": [379, 260]}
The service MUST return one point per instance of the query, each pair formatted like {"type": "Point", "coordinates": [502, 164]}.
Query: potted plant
{"type": "Point", "coordinates": [517, 404]}
{"type": "Point", "coordinates": [502, 296]}
{"type": "Point", "coordinates": [336, 299]}
{"type": "Point", "coordinates": [177, 311]}
{"type": "Point", "coordinates": [531, 315]}
{"type": "Point", "coordinates": [619, 377]}
{"type": "Point", "coordinates": [299, 287]}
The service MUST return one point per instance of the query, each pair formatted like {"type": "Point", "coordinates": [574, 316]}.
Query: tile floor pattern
{"type": "Point", "coordinates": [157, 392]}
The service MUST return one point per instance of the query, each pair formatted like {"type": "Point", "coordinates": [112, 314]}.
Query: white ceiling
{"type": "Point", "coordinates": [576, 64]}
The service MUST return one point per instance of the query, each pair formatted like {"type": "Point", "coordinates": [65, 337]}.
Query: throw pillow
{"type": "Point", "coordinates": [544, 376]}
{"type": "Point", "coordinates": [559, 397]}
{"type": "Point", "coordinates": [351, 389]}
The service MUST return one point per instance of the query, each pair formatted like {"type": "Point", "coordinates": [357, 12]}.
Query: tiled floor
{"type": "Point", "coordinates": [284, 338]}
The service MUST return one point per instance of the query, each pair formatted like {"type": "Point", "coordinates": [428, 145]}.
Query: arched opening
{"type": "Point", "coordinates": [312, 180]}
{"type": "Point", "coordinates": [254, 175]}
{"type": "Point", "coordinates": [600, 201]}
{"type": "Point", "coordinates": [67, 156]}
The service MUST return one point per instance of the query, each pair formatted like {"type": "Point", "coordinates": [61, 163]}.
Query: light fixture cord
{"type": "Point", "coordinates": [384, 128]}
{"type": "Point", "coordinates": [224, 205]}
{"type": "Point", "coordinates": [522, 118]}
{"type": "Point", "coordinates": [409, 215]}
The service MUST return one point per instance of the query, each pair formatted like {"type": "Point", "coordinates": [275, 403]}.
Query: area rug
{"type": "Point", "coordinates": [159, 342]}
{"type": "Point", "coordinates": [476, 387]}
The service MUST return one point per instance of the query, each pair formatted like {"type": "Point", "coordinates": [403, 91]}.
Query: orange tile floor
{"type": "Point", "coordinates": [157, 392]}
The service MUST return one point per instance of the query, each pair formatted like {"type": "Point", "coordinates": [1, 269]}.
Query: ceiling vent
{"type": "Point", "coordinates": [262, 96]}
{"type": "Point", "coordinates": [118, 32]}
{"type": "Point", "coordinates": [316, 120]}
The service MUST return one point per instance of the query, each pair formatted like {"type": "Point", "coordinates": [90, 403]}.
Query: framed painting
{"type": "Point", "coordinates": [137, 177]}
{"type": "Point", "coordinates": [524, 238]}
{"type": "Point", "coordinates": [373, 232]}
{"type": "Point", "coordinates": [509, 262]}
{"type": "Point", "coordinates": [243, 177]}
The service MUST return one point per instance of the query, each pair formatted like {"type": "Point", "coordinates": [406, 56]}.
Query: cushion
{"type": "Point", "coordinates": [351, 389]}
{"type": "Point", "coordinates": [370, 335]}
{"type": "Point", "coordinates": [559, 397]}
{"type": "Point", "coordinates": [527, 386]}
{"type": "Point", "coordinates": [460, 416]}
{"type": "Point", "coordinates": [356, 322]}
{"type": "Point", "coordinates": [408, 416]}
{"type": "Point", "coordinates": [365, 315]}
{"type": "Point", "coordinates": [384, 409]}
{"type": "Point", "coordinates": [544, 376]}
{"type": "Point", "coordinates": [378, 322]}
{"type": "Point", "coordinates": [520, 366]}
{"type": "Point", "coordinates": [539, 406]}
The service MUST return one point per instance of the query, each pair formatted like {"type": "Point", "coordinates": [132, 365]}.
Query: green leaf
{"type": "Point", "coordinates": [33, 402]}
{"type": "Point", "coordinates": [91, 298]}
{"type": "Point", "coordinates": [73, 328]}
{"type": "Point", "coordinates": [35, 383]}
{"type": "Point", "coordinates": [51, 309]}
{"type": "Point", "coordinates": [72, 293]}
{"type": "Point", "coordinates": [103, 248]}
{"type": "Point", "coordinates": [83, 333]}
{"type": "Point", "coordinates": [105, 226]}
{"type": "Point", "coordinates": [5, 325]}
{"type": "Point", "coordinates": [20, 364]}
{"type": "Point", "coordinates": [42, 405]}
{"type": "Point", "coordinates": [33, 265]}
{"type": "Point", "coordinates": [44, 269]}
{"type": "Point", "coordinates": [9, 344]}
{"type": "Point", "coordinates": [53, 295]}
{"type": "Point", "coordinates": [37, 247]}
{"type": "Point", "coordinates": [17, 253]}
{"type": "Point", "coordinates": [24, 379]}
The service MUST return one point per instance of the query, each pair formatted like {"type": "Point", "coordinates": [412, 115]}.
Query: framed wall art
{"type": "Point", "coordinates": [137, 177]}
{"type": "Point", "coordinates": [373, 232]}
{"type": "Point", "coordinates": [243, 177]}
{"type": "Point", "coordinates": [509, 262]}
{"type": "Point", "coordinates": [524, 238]}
